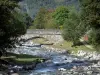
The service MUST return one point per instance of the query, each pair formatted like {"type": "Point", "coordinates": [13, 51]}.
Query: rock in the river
{"type": "Point", "coordinates": [14, 74]}
{"type": "Point", "coordinates": [89, 72]}
{"type": "Point", "coordinates": [62, 69]}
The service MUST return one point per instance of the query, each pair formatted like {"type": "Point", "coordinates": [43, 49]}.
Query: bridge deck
{"type": "Point", "coordinates": [44, 31]}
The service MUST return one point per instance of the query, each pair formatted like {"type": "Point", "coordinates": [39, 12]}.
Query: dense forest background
{"type": "Point", "coordinates": [32, 6]}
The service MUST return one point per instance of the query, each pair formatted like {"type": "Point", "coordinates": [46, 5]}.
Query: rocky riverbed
{"type": "Point", "coordinates": [59, 61]}
{"type": "Point", "coordinates": [62, 63]}
{"type": "Point", "coordinates": [92, 57]}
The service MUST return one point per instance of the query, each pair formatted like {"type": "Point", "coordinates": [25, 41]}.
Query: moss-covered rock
{"type": "Point", "coordinates": [22, 58]}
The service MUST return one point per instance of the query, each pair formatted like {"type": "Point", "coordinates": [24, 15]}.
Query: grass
{"type": "Point", "coordinates": [64, 45]}
{"type": "Point", "coordinates": [21, 55]}
{"type": "Point", "coordinates": [68, 46]}
{"type": "Point", "coordinates": [22, 58]}
{"type": "Point", "coordinates": [97, 48]}
{"type": "Point", "coordinates": [27, 61]}
{"type": "Point", "coordinates": [41, 41]}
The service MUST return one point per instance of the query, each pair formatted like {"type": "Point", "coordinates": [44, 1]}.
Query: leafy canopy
{"type": "Point", "coordinates": [91, 12]}
{"type": "Point", "coordinates": [10, 26]}
{"type": "Point", "coordinates": [39, 21]}
{"type": "Point", "coordinates": [73, 27]}
{"type": "Point", "coordinates": [60, 15]}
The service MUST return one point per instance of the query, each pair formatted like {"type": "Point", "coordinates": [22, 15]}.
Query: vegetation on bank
{"type": "Point", "coordinates": [27, 62]}
{"type": "Point", "coordinates": [74, 23]}
{"type": "Point", "coordinates": [64, 45]}
{"type": "Point", "coordinates": [41, 41]}
{"type": "Point", "coordinates": [91, 17]}
{"type": "Point", "coordinates": [12, 24]}
{"type": "Point", "coordinates": [22, 59]}
{"type": "Point", "coordinates": [68, 19]}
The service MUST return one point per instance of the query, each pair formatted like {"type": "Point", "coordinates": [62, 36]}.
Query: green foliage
{"type": "Point", "coordinates": [50, 23]}
{"type": "Point", "coordinates": [23, 17]}
{"type": "Point", "coordinates": [73, 27]}
{"type": "Point", "coordinates": [22, 58]}
{"type": "Point", "coordinates": [60, 15]}
{"type": "Point", "coordinates": [91, 16]}
{"type": "Point", "coordinates": [20, 55]}
{"type": "Point", "coordinates": [94, 37]}
{"type": "Point", "coordinates": [10, 26]}
{"type": "Point", "coordinates": [28, 20]}
{"type": "Point", "coordinates": [91, 11]}
{"type": "Point", "coordinates": [44, 20]}
{"type": "Point", "coordinates": [39, 21]}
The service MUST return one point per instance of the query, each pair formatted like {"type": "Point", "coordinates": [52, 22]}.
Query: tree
{"type": "Point", "coordinates": [91, 12]}
{"type": "Point", "coordinates": [10, 26]}
{"type": "Point", "coordinates": [49, 21]}
{"type": "Point", "coordinates": [28, 20]}
{"type": "Point", "coordinates": [60, 15]}
{"type": "Point", "coordinates": [73, 27]}
{"type": "Point", "coordinates": [39, 21]}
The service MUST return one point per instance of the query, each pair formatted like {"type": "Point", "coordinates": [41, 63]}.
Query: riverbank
{"type": "Point", "coordinates": [60, 60]}
{"type": "Point", "coordinates": [59, 55]}
{"type": "Point", "coordinates": [13, 63]}
{"type": "Point", "coordinates": [83, 51]}
{"type": "Point", "coordinates": [79, 51]}
{"type": "Point", "coordinates": [65, 46]}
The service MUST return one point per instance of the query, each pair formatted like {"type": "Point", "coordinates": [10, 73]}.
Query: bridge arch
{"type": "Point", "coordinates": [50, 35]}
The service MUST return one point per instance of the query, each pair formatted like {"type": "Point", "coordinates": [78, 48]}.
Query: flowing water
{"type": "Point", "coordinates": [56, 60]}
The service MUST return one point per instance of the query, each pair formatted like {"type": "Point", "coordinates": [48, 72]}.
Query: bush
{"type": "Point", "coordinates": [94, 37]}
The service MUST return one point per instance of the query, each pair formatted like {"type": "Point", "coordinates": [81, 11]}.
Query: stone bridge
{"type": "Point", "coordinates": [49, 34]}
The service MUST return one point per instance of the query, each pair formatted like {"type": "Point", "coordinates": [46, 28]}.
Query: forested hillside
{"type": "Point", "coordinates": [32, 6]}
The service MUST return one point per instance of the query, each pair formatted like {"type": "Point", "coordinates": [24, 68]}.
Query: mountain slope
{"type": "Point", "coordinates": [32, 6]}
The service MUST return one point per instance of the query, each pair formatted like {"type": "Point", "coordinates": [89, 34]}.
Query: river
{"type": "Point", "coordinates": [58, 63]}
